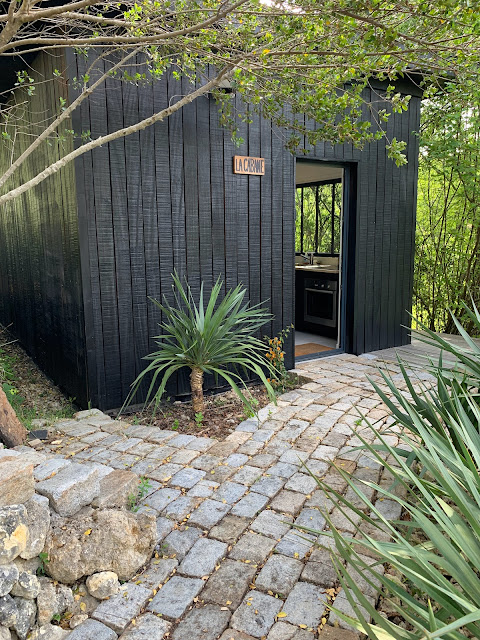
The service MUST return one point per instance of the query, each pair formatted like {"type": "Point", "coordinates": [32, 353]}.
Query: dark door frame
{"type": "Point", "coordinates": [347, 268]}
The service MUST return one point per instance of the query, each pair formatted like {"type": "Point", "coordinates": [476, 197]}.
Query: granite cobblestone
{"type": "Point", "coordinates": [225, 511]}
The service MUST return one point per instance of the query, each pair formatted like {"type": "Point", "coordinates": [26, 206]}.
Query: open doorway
{"type": "Point", "coordinates": [319, 201]}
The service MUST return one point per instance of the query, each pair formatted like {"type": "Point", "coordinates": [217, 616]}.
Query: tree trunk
{"type": "Point", "coordinates": [196, 385]}
{"type": "Point", "coordinates": [12, 431]}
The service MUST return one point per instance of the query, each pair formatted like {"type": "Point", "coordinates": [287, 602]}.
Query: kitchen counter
{"type": "Point", "coordinates": [316, 268]}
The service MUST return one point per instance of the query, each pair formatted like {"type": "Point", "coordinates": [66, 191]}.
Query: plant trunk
{"type": "Point", "coordinates": [12, 431]}
{"type": "Point", "coordinates": [196, 385]}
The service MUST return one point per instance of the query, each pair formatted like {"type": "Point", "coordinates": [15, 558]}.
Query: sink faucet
{"type": "Point", "coordinates": [308, 257]}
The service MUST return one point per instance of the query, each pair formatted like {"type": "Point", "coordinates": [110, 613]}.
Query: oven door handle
{"type": "Point", "coordinates": [320, 291]}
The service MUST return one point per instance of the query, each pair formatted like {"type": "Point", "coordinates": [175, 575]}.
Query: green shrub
{"type": "Point", "coordinates": [216, 337]}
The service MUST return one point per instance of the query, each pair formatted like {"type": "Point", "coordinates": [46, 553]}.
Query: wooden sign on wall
{"type": "Point", "coordinates": [247, 165]}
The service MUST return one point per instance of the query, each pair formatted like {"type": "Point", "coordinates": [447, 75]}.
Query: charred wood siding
{"type": "Point", "coordinates": [82, 252]}
{"type": "Point", "coordinates": [168, 199]}
{"type": "Point", "coordinates": [40, 278]}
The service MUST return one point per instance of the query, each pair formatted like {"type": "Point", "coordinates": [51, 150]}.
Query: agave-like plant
{"type": "Point", "coordinates": [442, 561]}
{"type": "Point", "coordinates": [435, 548]}
{"type": "Point", "coordinates": [452, 379]}
{"type": "Point", "coordinates": [213, 337]}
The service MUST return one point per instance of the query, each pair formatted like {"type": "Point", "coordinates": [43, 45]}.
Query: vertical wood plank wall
{"type": "Point", "coordinates": [184, 208]}
{"type": "Point", "coordinates": [40, 280]}
{"type": "Point", "coordinates": [167, 199]}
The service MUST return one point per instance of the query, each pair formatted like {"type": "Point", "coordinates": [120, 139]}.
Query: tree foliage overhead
{"type": "Point", "coordinates": [284, 57]}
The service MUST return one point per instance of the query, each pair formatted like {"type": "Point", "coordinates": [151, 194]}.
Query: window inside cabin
{"type": "Point", "coordinates": [318, 218]}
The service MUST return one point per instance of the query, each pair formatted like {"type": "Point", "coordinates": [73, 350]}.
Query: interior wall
{"type": "Point", "coordinates": [315, 171]}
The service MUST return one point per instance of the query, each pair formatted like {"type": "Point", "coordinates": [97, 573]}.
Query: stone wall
{"type": "Point", "coordinates": [67, 541]}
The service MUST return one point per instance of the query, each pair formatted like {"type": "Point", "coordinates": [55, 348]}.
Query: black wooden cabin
{"type": "Point", "coordinates": [81, 253]}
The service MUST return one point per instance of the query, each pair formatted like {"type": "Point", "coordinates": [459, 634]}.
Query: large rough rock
{"type": "Point", "coordinates": [8, 454]}
{"type": "Point", "coordinates": [49, 468]}
{"type": "Point", "coordinates": [46, 601]}
{"type": "Point", "coordinates": [110, 540]}
{"type": "Point", "coordinates": [72, 488]}
{"type": "Point", "coordinates": [29, 454]}
{"type": "Point", "coordinates": [27, 585]}
{"type": "Point", "coordinates": [5, 634]}
{"type": "Point", "coordinates": [38, 522]}
{"type": "Point", "coordinates": [8, 577]}
{"type": "Point", "coordinates": [12, 431]}
{"type": "Point", "coordinates": [13, 532]}
{"type": "Point", "coordinates": [17, 484]}
{"type": "Point", "coordinates": [49, 632]}
{"type": "Point", "coordinates": [26, 613]}
{"type": "Point", "coordinates": [8, 611]}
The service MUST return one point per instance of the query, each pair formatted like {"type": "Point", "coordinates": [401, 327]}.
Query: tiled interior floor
{"type": "Point", "coordinates": [302, 337]}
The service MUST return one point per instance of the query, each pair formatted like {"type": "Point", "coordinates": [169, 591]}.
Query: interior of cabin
{"type": "Point", "coordinates": [318, 249]}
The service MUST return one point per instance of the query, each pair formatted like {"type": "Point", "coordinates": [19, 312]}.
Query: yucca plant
{"type": "Point", "coordinates": [213, 337]}
{"type": "Point", "coordinates": [435, 548]}
{"type": "Point", "coordinates": [435, 402]}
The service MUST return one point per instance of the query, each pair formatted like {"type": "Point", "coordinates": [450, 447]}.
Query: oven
{"type": "Point", "coordinates": [320, 301]}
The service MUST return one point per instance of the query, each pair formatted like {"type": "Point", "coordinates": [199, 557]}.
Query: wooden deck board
{"type": "Point", "coordinates": [418, 354]}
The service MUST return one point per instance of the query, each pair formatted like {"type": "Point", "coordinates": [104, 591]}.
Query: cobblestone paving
{"type": "Point", "coordinates": [228, 563]}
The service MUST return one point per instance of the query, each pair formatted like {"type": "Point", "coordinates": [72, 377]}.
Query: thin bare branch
{"type": "Point", "coordinates": [61, 118]}
{"type": "Point", "coordinates": [121, 133]}
{"type": "Point", "coordinates": [126, 40]}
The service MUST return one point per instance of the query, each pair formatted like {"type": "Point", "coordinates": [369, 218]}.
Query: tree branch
{"type": "Point", "coordinates": [61, 118]}
{"type": "Point", "coordinates": [121, 133]}
{"type": "Point", "coordinates": [42, 14]}
{"type": "Point", "coordinates": [86, 17]}
{"type": "Point", "coordinates": [13, 22]}
{"type": "Point", "coordinates": [128, 40]}
{"type": "Point", "coordinates": [376, 23]}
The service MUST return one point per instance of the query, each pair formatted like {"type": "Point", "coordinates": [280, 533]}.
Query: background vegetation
{"type": "Point", "coordinates": [318, 238]}
{"type": "Point", "coordinates": [447, 267]}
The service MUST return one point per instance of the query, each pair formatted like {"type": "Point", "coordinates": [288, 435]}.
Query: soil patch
{"type": "Point", "coordinates": [223, 412]}
{"type": "Point", "coordinates": [36, 397]}
{"type": "Point", "coordinates": [31, 393]}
